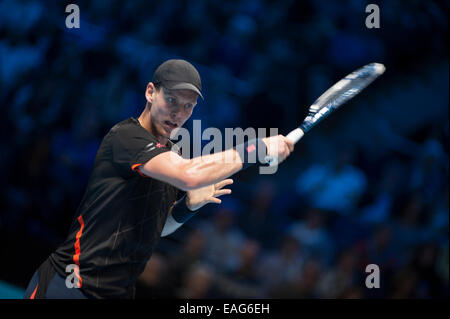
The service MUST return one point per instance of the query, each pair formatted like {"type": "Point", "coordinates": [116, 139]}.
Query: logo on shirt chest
{"type": "Point", "coordinates": [151, 146]}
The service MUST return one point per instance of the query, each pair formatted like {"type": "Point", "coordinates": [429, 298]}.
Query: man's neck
{"type": "Point", "coordinates": [145, 121]}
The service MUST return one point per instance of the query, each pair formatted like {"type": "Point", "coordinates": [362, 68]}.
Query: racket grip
{"type": "Point", "coordinates": [294, 136]}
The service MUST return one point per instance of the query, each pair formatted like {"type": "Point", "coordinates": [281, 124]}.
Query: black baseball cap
{"type": "Point", "coordinates": [178, 74]}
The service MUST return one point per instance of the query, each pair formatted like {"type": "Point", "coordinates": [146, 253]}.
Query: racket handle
{"type": "Point", "coordinates": [294, 136]}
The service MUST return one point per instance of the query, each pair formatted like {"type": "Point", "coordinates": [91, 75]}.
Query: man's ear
{"type": "Point", "coordinates": [149, 92]}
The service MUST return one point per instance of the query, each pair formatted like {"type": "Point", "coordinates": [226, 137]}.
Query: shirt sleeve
{"type": "Point", "coordinates": [133, 147]}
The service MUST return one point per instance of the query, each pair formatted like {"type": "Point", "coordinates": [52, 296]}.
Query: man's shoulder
{"type": "Point", "coordinates": [129, 128]}
{"type": "Point", "coordinates": [129, 123]}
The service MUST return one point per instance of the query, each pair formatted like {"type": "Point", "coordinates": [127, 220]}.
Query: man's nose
{"type": "Point", "coordinates": [177, 116]}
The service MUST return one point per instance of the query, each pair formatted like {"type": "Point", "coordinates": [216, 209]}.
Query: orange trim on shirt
{"type": "Point", "coordinates": [34, 292]}
{"type": "Point", "coordinates": [135, 168]}
{"type": "Point", "coordinates": [76, 257]}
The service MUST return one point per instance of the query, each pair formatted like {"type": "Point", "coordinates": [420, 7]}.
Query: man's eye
{"type": "Point", "coordinates": [188, 106]}
{"type": "Point", "coordinates": [171, 100]}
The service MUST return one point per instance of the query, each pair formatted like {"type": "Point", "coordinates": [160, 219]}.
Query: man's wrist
{"type": "Point", "coordinates": [251, 151]}
{"type": "Point", "coordinates": [180, 211]}
{"type": "Point", "coordinates": [188, 207]}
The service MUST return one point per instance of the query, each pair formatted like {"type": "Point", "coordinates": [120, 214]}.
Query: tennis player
{"type": "Point", "coordinates": [140, 190]}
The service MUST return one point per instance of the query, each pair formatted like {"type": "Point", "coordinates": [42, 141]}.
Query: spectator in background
{"type": "Point", "coordinates": [244, 281]}
{"type": "Point", "coordinates": [408, 227]}
{"type": "Point", "coordinates": [430, 169]}
{"type": "Point", "coordinates": [198, 282]}
{"type": "Point", "coordinates": [223, 238]}
{"type": "Point", "coordinates": [313, 236]}
{"type": "Point", "coordinates": [439, 217]}
{"type": "Point", "coordinates": [304, 286]}
{"type": "Point", "coordinates": [384, 193]}
{"type": "Point", "coordinates": [442, 268]}
{"type": "Point", "coordinates": [191, 253]}
{"type": "Point", "coordinates": [379, 249]}
{"type": "Point", "coordinates": [282, 264]}
{"type": "Point", "coordinates": [153, 281]}
{"type": "Point", "coordinates": [430, 285]}
{"type": "Point", "coordinates": [338, 280]}
{"type": "Point", "coordinates": [262, 220]}
{"type": "Point", "coordinates": [404, 284]}
{"type": "Point", "coordinates": [336, 186]}
{"type": "Point", "coordinates": [232, 48]}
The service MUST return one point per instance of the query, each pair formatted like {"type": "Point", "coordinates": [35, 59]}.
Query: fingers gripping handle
{"type": "Point", "coordinates": [294, 136]}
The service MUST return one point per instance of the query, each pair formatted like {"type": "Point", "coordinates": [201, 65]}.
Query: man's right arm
{"type": "Point", "coordinates": [189, 174]}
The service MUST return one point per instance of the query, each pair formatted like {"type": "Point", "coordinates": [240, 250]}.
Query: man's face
{"type": "Point", "coordinates": [170, 109]}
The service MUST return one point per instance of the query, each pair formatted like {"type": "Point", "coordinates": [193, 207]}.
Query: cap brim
{"type": "Point", "coordinates": [186, 86]}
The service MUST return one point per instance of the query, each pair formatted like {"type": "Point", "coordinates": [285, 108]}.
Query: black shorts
{"type": "Point", "coordinates": [46, 283]}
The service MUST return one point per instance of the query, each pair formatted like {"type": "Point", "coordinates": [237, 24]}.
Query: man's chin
{"type": "Point", "coordinates": [165, 134]}
{"type": "Point", "coordinates": [173, 133]}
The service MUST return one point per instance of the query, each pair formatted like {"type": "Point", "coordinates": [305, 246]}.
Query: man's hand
{"type": "Point", "coordinates": [278, 147]}
{"type": "Point", "coordinates": [199, 197]}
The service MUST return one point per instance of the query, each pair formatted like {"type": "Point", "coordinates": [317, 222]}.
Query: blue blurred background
{"type": "Point", "coordinates": [367, 186]}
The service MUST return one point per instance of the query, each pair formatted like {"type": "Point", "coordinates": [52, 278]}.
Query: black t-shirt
{"type": "Point", "coordinates": [121, 215]}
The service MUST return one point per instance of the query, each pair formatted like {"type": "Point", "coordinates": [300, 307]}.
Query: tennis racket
{"type": "Point", "coordinates": [332, 99]}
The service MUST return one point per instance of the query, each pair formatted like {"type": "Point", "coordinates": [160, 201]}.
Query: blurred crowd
{"type": "Point", "coordinates": [308, 231]}
{"type": "Point", "coordinates": [255, 245]}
